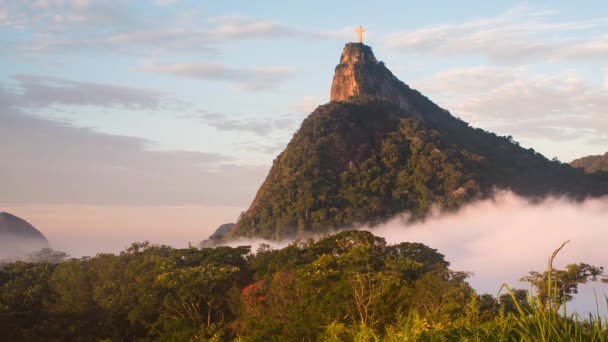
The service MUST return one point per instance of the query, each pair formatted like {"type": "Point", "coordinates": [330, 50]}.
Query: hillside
{"type": "Point", "coordinates": [18, 237]}
{"type": "Point", "coordinates": [592, 164]}
{"type": "Point", "coordinates": [380, 148]}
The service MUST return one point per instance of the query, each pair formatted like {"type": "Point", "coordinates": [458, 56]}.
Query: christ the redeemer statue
{"type": "Point", "coordinates": [360, 31]}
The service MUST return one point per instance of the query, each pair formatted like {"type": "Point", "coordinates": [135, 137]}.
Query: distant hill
{"type": "Point", "coordinates": [380, 148]}
{"type": "Point", "coordinates": [18, 237]}
{"type": "Point", "coordinates": [592, 164]}
{"type": "Point", "coordinates": [217, 236]}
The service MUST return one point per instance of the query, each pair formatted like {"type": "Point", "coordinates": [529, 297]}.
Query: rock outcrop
{"type": "Point", "coordinates": [359, 73]}
{"type": "Point", "coordinates": [592, 164]}
{"type": "Point", "coordinates": [353, 75]}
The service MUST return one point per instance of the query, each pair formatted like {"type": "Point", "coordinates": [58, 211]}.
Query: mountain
{"type": "Point", "coordinates": [592, 164]}
{"type": "Point", "coordinates": [380, 148]}
{"type": "Point", "coordinates": [218, 235]}
{"type": "Point", "coordinates": [17, 237]}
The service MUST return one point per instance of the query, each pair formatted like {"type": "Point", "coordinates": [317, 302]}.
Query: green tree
{"type": "Point", "coordinates": [47, 255]}
{"type": "Point", "coordinates": [555, 287]}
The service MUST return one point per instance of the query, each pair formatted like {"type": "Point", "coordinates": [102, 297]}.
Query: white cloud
{"type": "Point", "coordinates": [239, 27]}
{"type": "Point", "coordinates": [519, 35]}
{"type": "Point", "coordinates": [46, 161]}
{"type": "Point", "coordinates": [58, 26]}
{"type": "Point", "coordinates": [513, 101]}
{"type": "Point", "coordinates": [196, 36]}
{"type": "Point", "coordinates": [49, 162]}
{"type": "Point", "coordinates": [63, 25]}
{"type": "Point", "coordinates": [502, 239]}
{"type": "Point", "coordinates": [247, 79]}
{"type": "Point", "coordinates": [262, 126]}
{"type": "Point", "coordinates": [63, 14]}
{"type": "Point", "coordinates": [38, 91]}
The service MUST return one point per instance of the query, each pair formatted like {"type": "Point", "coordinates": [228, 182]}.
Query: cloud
{"type": "Point", "coordinates": [246, 79]}
{"type": "Point", "coordinates": [61, 25]}
{"type": "Point", "coordinates": [61, 15]}
{"type": "Point", "coordinates": [38, 91]}
{"type": "Point", "coordinates": [502, 239]}
{"type": "Point", "coordinates": [201, 33]}
{"type": "Point", "coordinates": [240, 27]}
{"type": "Point", "coordinates": [555, 107]}
{"type": "Point", "coordinates": [18, 248]}
{"type": "Point", "coordinates": [520, 35]}
{"type": "Point", "coordinates": [223, 122]}
{"type": "Point", "coordinates": [45, 161]}
{"type": "Point", "coordinates": [258, 126]}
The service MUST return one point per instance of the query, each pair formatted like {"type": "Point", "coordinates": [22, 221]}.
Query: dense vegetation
{"type": "Point", "coordinates": [364, 160]}
{"type": "Point", "coordinates": [592, 164]}
{"type": "Point", "coordinates": [351, 286]}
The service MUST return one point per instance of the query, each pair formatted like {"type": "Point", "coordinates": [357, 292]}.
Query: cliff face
{"type": "Point", "coordinates": [592, 164]}
{"type": "Point", "coordinates": [352, 77]}
{"type": "Point", "coordinates": [360, 73]}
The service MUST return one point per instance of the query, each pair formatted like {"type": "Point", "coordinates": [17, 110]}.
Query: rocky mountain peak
{"type": "Point", "coordinates": [348, 78]}
{"type": "Point", "coordinates": [360, 73]}
{"type": "Point", "coordinates": [357, 53]}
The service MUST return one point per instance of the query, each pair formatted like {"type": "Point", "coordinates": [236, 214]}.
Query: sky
{"type": "Point", "coordinates": [158, 120]}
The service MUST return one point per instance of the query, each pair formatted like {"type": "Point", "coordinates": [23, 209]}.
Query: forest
{"type": "Point", "coordinates": [363, 161]}
{"type": "Point", "coordinates": [351, 286]}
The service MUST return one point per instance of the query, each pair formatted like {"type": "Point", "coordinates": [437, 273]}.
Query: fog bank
{"type": "Point", "coordinates": [502, 239]}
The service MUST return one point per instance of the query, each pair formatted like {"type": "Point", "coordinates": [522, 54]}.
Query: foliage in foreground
{"type": "Point", "coordinates": [348, 287]}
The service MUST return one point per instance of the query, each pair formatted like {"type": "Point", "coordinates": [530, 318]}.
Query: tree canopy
{"type": "Point", "coordinates": [338, 287]}
{"type": "Point", "coordinates": [365, 160]}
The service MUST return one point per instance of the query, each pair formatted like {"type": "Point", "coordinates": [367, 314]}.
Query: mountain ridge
{"type": "Point", "coordinates": [380, 148]}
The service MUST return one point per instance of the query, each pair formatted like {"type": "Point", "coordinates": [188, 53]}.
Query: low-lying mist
{"type": "Point", "coordinates": [14, 248]}
{"type": "Point", "coordinates": [499, 240]}
{"type": "Point", "coordinates": [502, 239]}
